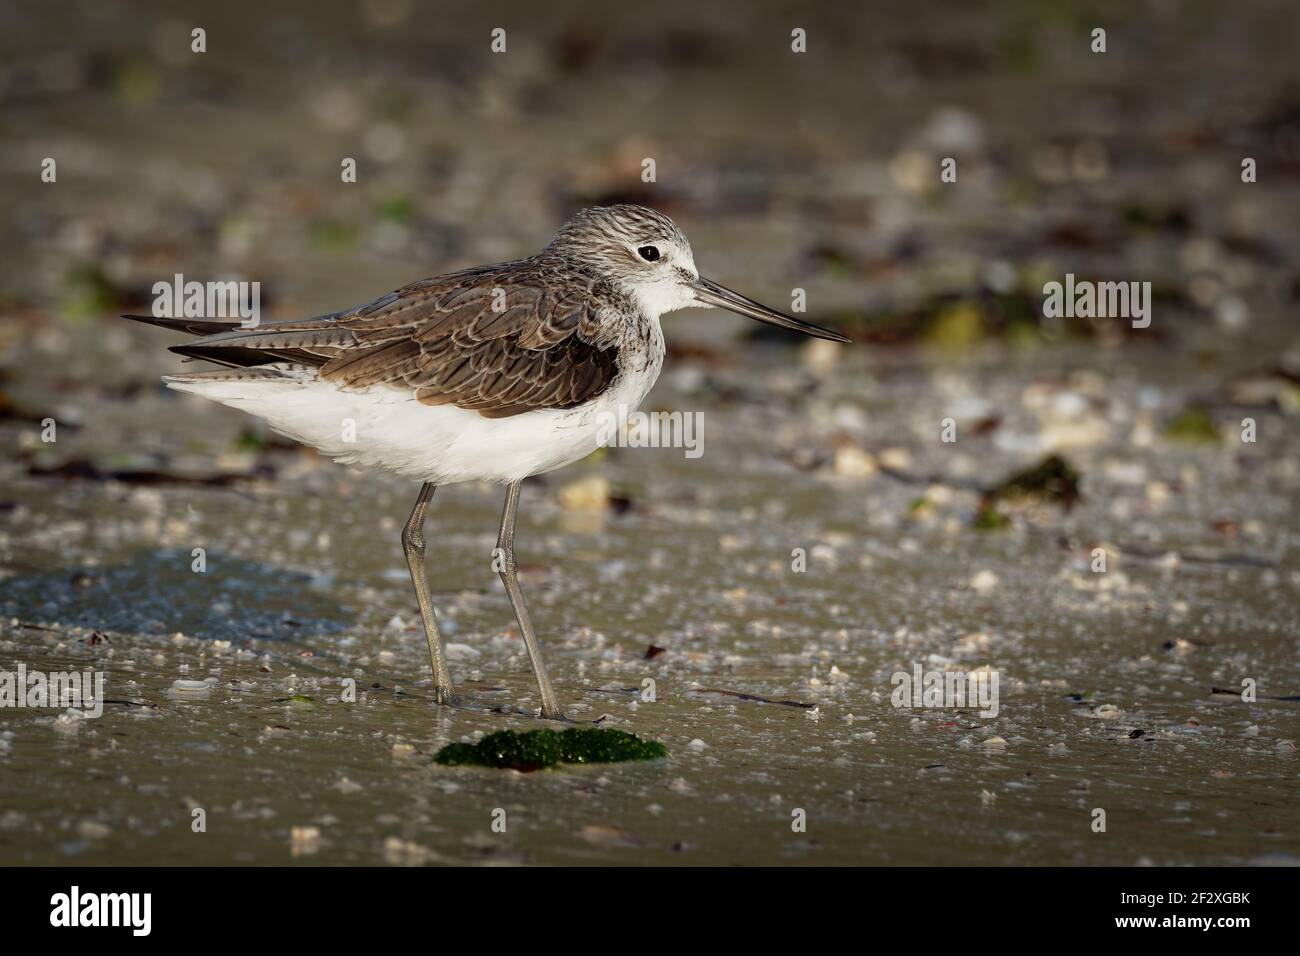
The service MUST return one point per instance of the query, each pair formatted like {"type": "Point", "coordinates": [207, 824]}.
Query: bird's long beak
{"type": "Point", "coordinates": [710, 293]}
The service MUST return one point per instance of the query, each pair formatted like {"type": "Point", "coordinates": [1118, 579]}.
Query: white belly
{"type": "Point", "coordinates": [386, 428]}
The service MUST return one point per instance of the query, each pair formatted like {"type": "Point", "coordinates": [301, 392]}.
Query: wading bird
{"type": "Point", "coordinates": [489, 374]}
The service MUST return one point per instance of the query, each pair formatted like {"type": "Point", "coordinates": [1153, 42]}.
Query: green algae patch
{"type": "Point", "coordinates": [988, 518]}
{"type": "Point", "coordinates": [539, 749]}
{"type": "Point", "coordinates": [1193, 424]}
{"type": "Point", "coordinates": [956, 327]}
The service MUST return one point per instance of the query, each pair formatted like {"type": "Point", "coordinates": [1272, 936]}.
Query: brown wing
{"type": "Point", "coordinates": [500, 340]}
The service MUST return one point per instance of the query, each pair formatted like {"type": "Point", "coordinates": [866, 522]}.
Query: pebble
{"type": "Point", "coordinates": [586, 494]}
{"type": "Point", "coordinates": [93, 829]}
{"type": "Point", "coordinates": [852, 462]}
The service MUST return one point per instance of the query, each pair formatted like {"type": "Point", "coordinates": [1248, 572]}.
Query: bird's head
{"type": "Point", "coordinates": [643, 254]}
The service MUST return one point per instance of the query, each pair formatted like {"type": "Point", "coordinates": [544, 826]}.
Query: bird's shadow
{"type": "Point", "coordinates": [159, 592]}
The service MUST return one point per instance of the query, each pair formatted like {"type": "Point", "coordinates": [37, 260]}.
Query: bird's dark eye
{"type": "Point", "coordinates": [648, 253]}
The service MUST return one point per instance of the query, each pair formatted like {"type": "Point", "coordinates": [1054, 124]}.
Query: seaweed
{"type": "Point", "coordinates": [1053, 479]}
{"type": "Point", "coordinates": [539, 749]}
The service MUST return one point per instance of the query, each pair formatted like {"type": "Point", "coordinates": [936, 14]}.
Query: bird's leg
{"type": "Point", "coordinates": [413, 546]}
{"type": "Point", "coordinates": [506, 555]}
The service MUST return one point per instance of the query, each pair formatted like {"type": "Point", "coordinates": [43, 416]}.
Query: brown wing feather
{"type": "Point", "coordinates": [501, 340]}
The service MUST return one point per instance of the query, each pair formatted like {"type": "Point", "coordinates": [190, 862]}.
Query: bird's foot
{"type": "Point", "coordinates": [510, 710]}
